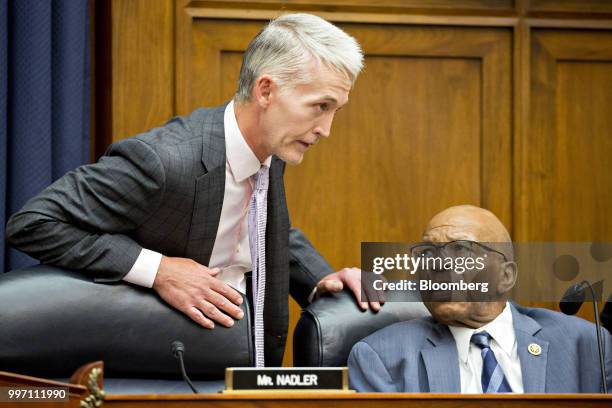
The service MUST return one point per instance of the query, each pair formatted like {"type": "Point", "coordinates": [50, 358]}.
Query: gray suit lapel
{"type": "Point", "coordinates": [442, 361]}
{"type": "Point", "coordinates": [533, 367]}
{"type": "Point", "coordinates": [209, 189]}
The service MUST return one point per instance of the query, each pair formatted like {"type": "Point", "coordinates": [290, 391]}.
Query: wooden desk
{"type": "Point", "coordinates": [83, 390]}
{"type": "Point", "coordinates": [369, 400]}
{"type": "Point", "coordinates": [86, 385]}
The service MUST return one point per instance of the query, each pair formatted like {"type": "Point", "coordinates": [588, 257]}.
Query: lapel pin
{"type": "Point", "coordinates": [534, 349]}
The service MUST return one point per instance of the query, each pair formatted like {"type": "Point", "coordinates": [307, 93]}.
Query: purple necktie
{"type": "Point", "coordinates": [257, 240]}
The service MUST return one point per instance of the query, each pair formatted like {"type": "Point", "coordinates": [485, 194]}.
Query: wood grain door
{"type": "Point", "coordinates": [564, 166]}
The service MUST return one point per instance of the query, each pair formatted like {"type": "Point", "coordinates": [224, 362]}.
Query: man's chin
{"type": "Point", "coordinates": [448, 312]}
{"type": "Point", "coordinates": [293, 158]}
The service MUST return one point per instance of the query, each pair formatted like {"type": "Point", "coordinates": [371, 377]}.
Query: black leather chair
{"type": "Point", "coordinates": [328, 328]}
{"type": "Point", "coordinates": [52, 321]}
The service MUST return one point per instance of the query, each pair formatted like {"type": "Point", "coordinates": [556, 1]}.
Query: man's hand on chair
{"type": "Point", "coordinates": [352, 278]}
{"type": "Point", "coordinates": [194, 290]}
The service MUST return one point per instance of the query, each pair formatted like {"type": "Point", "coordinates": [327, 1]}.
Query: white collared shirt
{"type": "Point", "coordinates": [231, 251]}
{"type": "Point", "coordinates": [503, 344]}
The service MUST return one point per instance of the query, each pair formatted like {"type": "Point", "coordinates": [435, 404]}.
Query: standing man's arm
{"type": "Point", "coordinates": [82, 220]}
{"type": "Point", "coordinates": [307, 267]}
{"type": "Point", "coordinates": [311, 276]}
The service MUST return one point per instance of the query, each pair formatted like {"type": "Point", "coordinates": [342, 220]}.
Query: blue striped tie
{"type": "Point", "coordinates": [493, 378]}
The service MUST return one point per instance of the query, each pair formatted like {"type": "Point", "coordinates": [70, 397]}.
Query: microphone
{"type": "Point", "coordinates": [572, 299]}
{"type": "Point", "coordinates": [570, 304]}
{"type": "Point", "coordinates": [606, 314]}
{"type": "Point", "coordinates": [178, 348]}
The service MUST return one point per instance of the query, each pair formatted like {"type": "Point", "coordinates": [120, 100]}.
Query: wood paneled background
{"type": "Point", "coordinates": [498, 103]}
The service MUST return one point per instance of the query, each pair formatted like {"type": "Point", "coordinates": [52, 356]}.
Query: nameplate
{"type": "Point", "coordinates": [286, 378]}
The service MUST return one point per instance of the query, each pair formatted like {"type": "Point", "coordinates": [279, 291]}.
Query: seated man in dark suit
{"type": "Point", "coordinates": [481, 346]}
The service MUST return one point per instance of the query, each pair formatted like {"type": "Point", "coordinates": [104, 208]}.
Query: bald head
{"type": "Point", "coordinates": [468, 222]}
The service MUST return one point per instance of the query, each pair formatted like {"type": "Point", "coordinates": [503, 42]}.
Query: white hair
{"type": "Point", "coordinates": [286, 46]}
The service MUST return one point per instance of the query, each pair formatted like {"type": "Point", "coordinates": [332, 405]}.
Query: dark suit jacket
{"type": "Point", "coordinates": [163, 190]}
{"type": "Point", "coordinates": [421, 356]}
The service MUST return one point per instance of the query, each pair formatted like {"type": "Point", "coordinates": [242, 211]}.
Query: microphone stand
{"type": "Point", "coordinates": [177, 350]}
{"type": "Point", "coordinates": [602, 364]}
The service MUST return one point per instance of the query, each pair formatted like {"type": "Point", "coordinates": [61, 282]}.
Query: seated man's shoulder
{"type": "Point", "coordinates": [557, 323]}
{"type": "Point", "coordinates": [399, 338]}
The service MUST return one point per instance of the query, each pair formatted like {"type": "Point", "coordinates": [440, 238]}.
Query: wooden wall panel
{"type": "Point", "coordinates": [583, 152]}
{"type": "Point", "coordinates": [211, 61]}
{"type": "Point", "coordinates": [142, 65]}
{"type": "Point", "coordinates": [571, 6]}
{"type": "Point", "coordinates": [447, 5]}
{"type": "Point", "coordinates": [566, 174]}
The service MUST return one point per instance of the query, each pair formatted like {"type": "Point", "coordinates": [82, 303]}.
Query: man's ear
{"type": "Point", "coordinates": [507, 277]}
{"type": "Point", "coordinates": [262, 90]}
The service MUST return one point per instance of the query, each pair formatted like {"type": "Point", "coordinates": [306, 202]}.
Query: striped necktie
{"type": "Point", "coordinates": [257, 240]}
{"type": "Point", "coordinates": [493, 378]}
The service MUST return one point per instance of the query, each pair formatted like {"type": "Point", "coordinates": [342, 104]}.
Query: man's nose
{"type": "Point", "coordinates": [323, 128]}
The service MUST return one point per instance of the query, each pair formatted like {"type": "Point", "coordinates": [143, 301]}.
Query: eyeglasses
{"type": "Point", "coordinates": [452, 249]}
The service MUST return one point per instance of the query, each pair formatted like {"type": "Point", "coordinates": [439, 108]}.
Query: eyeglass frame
{"type": "Point", "coordinates": [440, 247]}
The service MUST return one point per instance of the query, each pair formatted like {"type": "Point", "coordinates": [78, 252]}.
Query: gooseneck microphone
{"type": "Point", "coordinates": [572, 299]}
{"type": "Point", "coordinates": [178, 348]}
{"type": "Point", "coordinates": [570, 303]}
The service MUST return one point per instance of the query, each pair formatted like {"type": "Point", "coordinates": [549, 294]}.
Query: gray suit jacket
{"type": "Point", "coordinates": [163, 190]}
{"type": "Point", "coordinates": [421, 356]}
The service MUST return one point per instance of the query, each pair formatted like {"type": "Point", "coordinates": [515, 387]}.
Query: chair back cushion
{"type": "Point", "coordinates": [52, 321]}
{"type": "Point", "coordinates": [329, 327]}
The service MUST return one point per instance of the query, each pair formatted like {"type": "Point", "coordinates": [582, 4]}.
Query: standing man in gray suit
{"type": "Point", "coordinates": [475, 346]}
{"type": "Point", "coordinates": [191, 207]}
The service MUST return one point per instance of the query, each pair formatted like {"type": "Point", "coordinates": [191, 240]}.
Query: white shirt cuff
{"type": "Point", "coordinates": [144, 270]}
